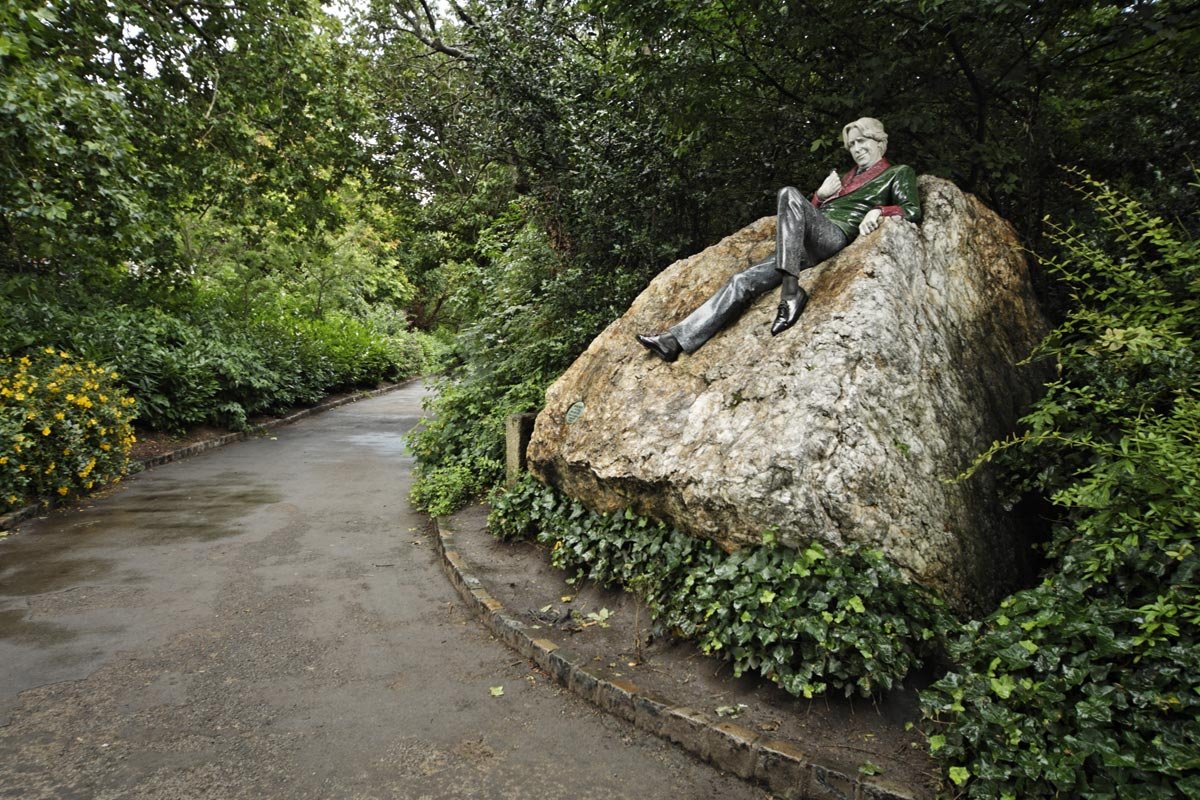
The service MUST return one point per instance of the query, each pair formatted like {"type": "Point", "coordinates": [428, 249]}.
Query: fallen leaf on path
{"type": "Point", "coordinates": [600, 618]}
{"type": "Point", "coordinates": [496, 691]}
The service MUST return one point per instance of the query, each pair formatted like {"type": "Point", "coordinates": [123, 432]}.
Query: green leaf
{"type": "Point", "coordinates": [1003, 686]}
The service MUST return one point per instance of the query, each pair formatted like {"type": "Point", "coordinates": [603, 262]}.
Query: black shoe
{"type": "Point", "coordinates": [789, 312]}
{"type": "Point", "coordinates": [663, 345]}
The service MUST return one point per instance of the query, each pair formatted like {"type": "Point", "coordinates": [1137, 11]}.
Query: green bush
{"type": "Point", "coordinates": [195, 364]}
{"type": "Point", "coordinates": [531, 330]}
{"type": "Point", "coordinates": [442, 490]}
{"type": "Point", "coordinates": [64, 428]}
{"type": "Point", "coordinates": [1085, 686]}
{"type": "Point", "coordinates": [808, 620]}
{"type": "Point", "coordinates": [459, 447]}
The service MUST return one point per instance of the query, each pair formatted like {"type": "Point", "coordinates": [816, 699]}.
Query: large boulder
{"type": "Point", "coordinates": [847, 428]}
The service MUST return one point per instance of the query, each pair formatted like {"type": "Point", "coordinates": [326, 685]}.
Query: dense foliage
{"type": "Point", "coordinates": [185, 197]}
{"type": "Point", "coordinates": [64, 427]}
{"type": "Point", "coordinates": [808, 620]}
{"type": "Point", "coordinates": [1086, 684]}
{"type": "Point", "coordinates": [204, 364]}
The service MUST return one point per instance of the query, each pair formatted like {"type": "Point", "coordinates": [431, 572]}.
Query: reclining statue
{"type": "Point", "coordinates": [806, 234]}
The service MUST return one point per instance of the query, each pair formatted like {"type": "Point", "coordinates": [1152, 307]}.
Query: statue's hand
{"type": "Point", "coordinates": [870, 221]}
{"type": "Point", "coordinates": [830, 186]}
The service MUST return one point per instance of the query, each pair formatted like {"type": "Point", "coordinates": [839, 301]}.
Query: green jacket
{"type": "Point", "coordinates": [893, 190]}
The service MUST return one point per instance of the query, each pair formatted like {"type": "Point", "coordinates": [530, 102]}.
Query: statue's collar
{"type": "Point", "coordinates": [855, 179]}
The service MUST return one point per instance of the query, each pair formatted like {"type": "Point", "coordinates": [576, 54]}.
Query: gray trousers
{"type": "Point", "coordinates": [803, 239]}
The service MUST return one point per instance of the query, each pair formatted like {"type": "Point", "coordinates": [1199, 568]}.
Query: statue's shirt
{"type": "Point", "coordinates": [893, 190]}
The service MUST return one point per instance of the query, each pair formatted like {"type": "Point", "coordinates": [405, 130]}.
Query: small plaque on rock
{"type": "Point", "coordinates": [575, 412]}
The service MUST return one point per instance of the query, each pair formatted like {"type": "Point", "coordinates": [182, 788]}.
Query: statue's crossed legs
{"type": "Point", "coordinates": [803, 238]}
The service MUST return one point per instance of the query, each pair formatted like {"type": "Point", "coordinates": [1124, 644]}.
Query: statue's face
{"type": "Point", "coordinates": [864, 151]}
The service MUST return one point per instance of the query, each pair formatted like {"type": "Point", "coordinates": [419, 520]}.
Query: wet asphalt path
{"type": "Point", "coordinates": [270, 619]}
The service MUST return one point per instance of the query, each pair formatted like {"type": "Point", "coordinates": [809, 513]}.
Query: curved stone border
{"type": "Point", "coordinates": [782, 766]}
{"type": "Point", "coordinates": [21, 514]}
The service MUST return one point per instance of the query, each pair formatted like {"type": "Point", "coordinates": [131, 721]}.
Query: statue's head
{"type": "Point", "coordinates": [866, 140]}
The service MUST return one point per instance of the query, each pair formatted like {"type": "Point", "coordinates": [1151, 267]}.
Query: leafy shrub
{"type": "Point", "coordinates": [64, 428]}
{"type": "Point", "coordinates": [197, 364]}
{"type": "Point", "coordinates": [442, 490]}
{"type": "Point", "coordinates": [531, 329]}
{"type": "Point", "coordinates": [460, 445]}
{"type": "Point", "coordinates": [808, 619]}
{"type": "Point", "coordinates": [1084, 686]}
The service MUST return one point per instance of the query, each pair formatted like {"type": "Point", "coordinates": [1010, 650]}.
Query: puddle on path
{"type": "Point", "coordinates": [59, 552]}
{"type": "Point", "coordinates": [388, 444]}
{"type": "Point", "coordinates": [16, 627]}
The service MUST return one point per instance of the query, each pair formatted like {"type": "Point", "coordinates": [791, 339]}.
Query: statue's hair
{"type": "Point", "coordinates": [870, 128]}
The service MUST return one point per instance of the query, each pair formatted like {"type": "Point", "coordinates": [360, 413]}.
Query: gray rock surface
{"type": "Point", "coordinates": [845, 428]}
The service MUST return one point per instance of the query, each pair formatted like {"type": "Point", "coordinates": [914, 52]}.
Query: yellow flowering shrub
{"type": "Point", "coordinates": [64, 428]}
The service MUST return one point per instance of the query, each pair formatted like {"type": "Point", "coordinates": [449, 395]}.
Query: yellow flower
{"type": "Point", "coordinates": [60, 416]}
{"type": "Point", "coordinates": [3, 460]}
{"type": "Point", "coordinates": [61, 354]}
{"type": "Point", "coordinates": [105, 446]}
{"type": "Point", "coordinates": [48, 351]}
{"type": "Point", "coordinates": [20, 467]}
{"type": "Point", "coordinates": [46, 431]}
{"type": "Point", "coordinates": [63, 490]}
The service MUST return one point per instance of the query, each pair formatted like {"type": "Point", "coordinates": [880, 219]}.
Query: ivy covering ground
{"type": "Point", "coordinates": [808, 620]}
{"type": "Point", "coordinates": [1088, 685]}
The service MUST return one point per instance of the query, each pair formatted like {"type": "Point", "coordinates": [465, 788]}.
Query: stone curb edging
{"type": "Point", "coordinates": [780, 765]}
{"type": "Point", "coordinates": [11, 519]}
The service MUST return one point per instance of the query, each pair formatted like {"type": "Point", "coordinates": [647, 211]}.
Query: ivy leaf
{"type": "Point", "coordinates": [1003, 686]}
{"type": "Point", "coordinates": [959, 775]}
